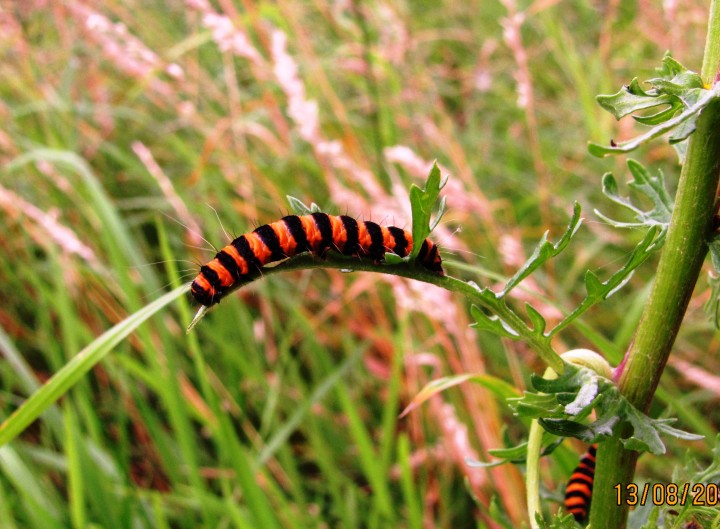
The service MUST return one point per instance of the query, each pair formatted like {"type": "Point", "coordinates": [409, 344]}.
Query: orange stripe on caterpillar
{"type": "Point", "coordinates": [292, 235]}
{"type": "Point", "coordinates": [578, 491]}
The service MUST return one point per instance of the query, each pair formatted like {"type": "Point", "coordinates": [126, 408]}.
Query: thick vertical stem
{"type": "Point", "coordinates": [711, 58]}
{"type": "Point", "coordinates": [678, 270]}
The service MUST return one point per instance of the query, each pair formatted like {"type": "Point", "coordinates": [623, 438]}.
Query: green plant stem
{"type": "Point", "coordinates": [711, 58]}
{"type": "Point", "coordinates": [532, 479]}
{"type": "Point", "coordinates": [678, 270]}
{"type": "Point", "coordinates": [469, 290]}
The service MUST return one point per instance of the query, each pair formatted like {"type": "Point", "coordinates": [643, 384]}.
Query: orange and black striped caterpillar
{"type": "Point", "coordinates": [578, 491]}
{"type": "Point", "coordinates": [241, 260]}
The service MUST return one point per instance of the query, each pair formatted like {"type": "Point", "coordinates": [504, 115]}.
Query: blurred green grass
{"type": "Point", "coordinates": [129, 129]}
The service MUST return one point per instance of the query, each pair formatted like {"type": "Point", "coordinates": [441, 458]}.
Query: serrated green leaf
{"type": "Point", "coordinates": [559, 520]}
{"type": "Point", "coordinates": [571, 230]}
{"type": "Point", "coordinates": [634, 88]}
{"type": "Point", "coordinates": [490, 297]}
{"type": "Point", "coordinates": [639, 445]}
{"type": "Point", "coordinates": [664, 427]}
{"type": "Point", "coordinates": [593, 285]}
{"type": "Point", "coordinates": [565, 398]}
{"type": "Point", "coordinates": [630, 99]}
{"type": "Point", "coordinates": [604, 426]}
{"type": "Point", "coordinates": [565, 428]}
{"type": "Point", "coordinates": [678, 85]}
{"type": "Point", "coordinates": [556, 394]}
{"type": "Point", "coordinates": [661, 116]}
{"type": "Point", "coordinates": [420, 218]}
{"type": "Point", "coordinates": [570, 381]}
{"type": "Point", "coordinates": [610, 190]}
{"type": "Point", "coordinates": [569, 399]}
{"type": "Point", "coordinates": [610, 187]}
{"type": "Point", "coordinates": [544, 250]}
{"type": "Point", "coordinates": [670, 67]}
{"type": "Point", "coordinates": [677, 72]}
{"type": "Point", "coordinates": [704, 99]}
{"type": "Point", "coordinates": [637, 257]}
{"type": "Point", "coordinates": [493, 324]}
{"type": "Point", "coordinates": [535, 405]}
{"type": "Point", "coordinates": [691, 97]}
{"type": "Point", "coordinates": [536, 319]}
{"type": "Point", "coordinates": [422, 203]}
{"type": "Point", "coordinates": [653, 187]}
{"type": "Point", "coordinates": [683, 93]}
{"type": "Point", "coordinates": [645, 435]}
{"type": "Point", "coordinates": [597, 291]}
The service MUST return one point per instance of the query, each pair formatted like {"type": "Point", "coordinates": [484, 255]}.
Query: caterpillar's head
{"type": "Point", "coordinates": [203, 292]}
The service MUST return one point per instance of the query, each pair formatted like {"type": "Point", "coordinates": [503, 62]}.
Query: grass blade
{"type": "Point", "coordinates": [78, 366]}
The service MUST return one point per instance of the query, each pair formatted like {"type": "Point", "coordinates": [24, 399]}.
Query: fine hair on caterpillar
{"type": "Point", "coordinates": [316, 233]}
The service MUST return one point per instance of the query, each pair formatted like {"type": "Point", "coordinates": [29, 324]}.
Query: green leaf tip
{"type": "Point", "coordinates": [652, 186]}
{"type": "Point", "coordinates": [597, 290]}
{"type": "Point", "coordinates": [544, 251]}
{"type": "Point", "coordinates": [494, 324]}
{"type": "Point", "coordinates": [632, 98]}
{"type": "Point", "coordinates": [422, 203]}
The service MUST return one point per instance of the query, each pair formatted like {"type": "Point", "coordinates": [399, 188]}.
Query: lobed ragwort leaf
{"type": "Point", "coordinates": [422, 202]}
{"type": "Point", "coordinates": [681, 96]}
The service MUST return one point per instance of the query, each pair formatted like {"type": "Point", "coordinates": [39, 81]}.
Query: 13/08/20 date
{"type": "Point", "coordinates": [701, 494]}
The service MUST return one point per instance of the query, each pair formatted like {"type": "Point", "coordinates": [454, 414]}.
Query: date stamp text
{"type": "Point", "coordinates": [700, 494]}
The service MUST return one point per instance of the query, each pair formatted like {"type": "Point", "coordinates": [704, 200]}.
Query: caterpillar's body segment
{"type": "Point", "coordinates": [292, 235]}
{"type": "Point", "coordinates": [578, 491]}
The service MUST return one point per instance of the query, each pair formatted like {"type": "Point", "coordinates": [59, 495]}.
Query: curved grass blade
{"type": "Point", "coordinates": [497, 386]}
{"type": "Point", "coordinates": [79, 365]}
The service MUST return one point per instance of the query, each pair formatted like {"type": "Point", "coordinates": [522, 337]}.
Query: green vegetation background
{"type": "Point", "coordinates": [128, 130]}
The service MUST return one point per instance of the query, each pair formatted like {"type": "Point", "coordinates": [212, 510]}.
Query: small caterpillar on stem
{"type": "Point", "coordinates": [292, 235]}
